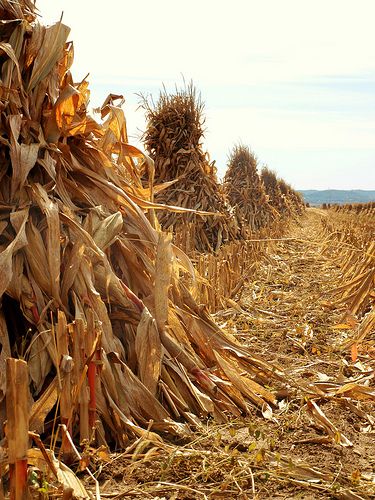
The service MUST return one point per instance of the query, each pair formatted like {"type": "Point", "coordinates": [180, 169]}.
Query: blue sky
{"type": "Point", "coordinates": [293, 79]}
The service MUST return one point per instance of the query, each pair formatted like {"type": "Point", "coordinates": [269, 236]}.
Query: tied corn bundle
{"type": "Point", "coordinates": [276, 198]}
{"type": "Point", "coordinates": [245, 190]}
{"type": "Point", "coordinates": [368, 207]}
{"type": "Point", "coordinates": [91, 293]}
{"type": "Point", "coordinates": [292, 197]}
{"type": "Point", "coordinates": [173, 140]}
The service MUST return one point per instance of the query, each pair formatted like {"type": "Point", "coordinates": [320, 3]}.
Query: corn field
{"type": "Point", "coordinates": [125, 278]}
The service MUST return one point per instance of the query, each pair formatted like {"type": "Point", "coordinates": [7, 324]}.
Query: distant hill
{"type": "Point", "coordinates": [315, 197]}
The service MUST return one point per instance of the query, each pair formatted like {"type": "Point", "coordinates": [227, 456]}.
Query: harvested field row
{"type": "Point", "coordinates": [319, 442]}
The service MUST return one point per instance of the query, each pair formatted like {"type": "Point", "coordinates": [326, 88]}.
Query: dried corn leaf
{"type": "Point", "coordinates": [246, 386]}
{"type": "Point", "coordinates": [65, 476]}
{"type": "Point", "coordinates": [328, 426]}
{"type": "Point", "coordinates": [49, 53]}
{"type": "Point", "coordinates": [163, 270]}
{"type": "Point", "coordinates": [42, 406]}
{"type": "Point", "coordinates": [20, 240]}
{"type": "Point", "coordinates": [149, 352]}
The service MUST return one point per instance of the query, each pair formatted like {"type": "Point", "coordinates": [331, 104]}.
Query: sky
{"type": "Point", "coordinates": [292, 79]}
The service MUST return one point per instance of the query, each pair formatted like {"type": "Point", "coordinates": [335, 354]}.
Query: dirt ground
{"type": "Point", "coordinates": [288, 316]}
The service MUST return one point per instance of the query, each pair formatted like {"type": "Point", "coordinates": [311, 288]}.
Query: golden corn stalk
{"type": "Point", "coordinates": [91, 293]}
{"type": "Point", "coordinates": [222, 277]}
{"type": "Point", "coordinates": [173, 140]}
{"type": "Point", "coordinates": [245, 190]}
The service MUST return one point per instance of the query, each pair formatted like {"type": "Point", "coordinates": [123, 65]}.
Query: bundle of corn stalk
{"type": "Point", "coordinates": [276, 198]}
{"type": "Point", "coordinates": [292, 197]}
{"type": "Point", "coordinates": [173, 140]}
{"type": "Point", "coordinates": [369, 207]}
{"type": "Point", "coordinates": [245, 190]}
{"type": "Point", "coordinates": [91, 293]}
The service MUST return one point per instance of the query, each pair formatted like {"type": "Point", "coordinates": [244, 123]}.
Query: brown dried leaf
{"type": "Point", "coordinates": [49, 53]}
{"type": "Point", "coordinates": [163, 271]}
{"type": "Point", "coordinates": [6, 269]}
{"type": "Point", "coordinates": [42, 406]}
{"type": "Point", "coordinates": [329, 427]}
{"type": "Point", "coordinates": [149, 352]}
{"type": "Point", "coordinates": [64, 475]}
{"type": "Point", "coordinates": [51, 211]}
{"type": "Point", "coordinates": [246, 386]}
